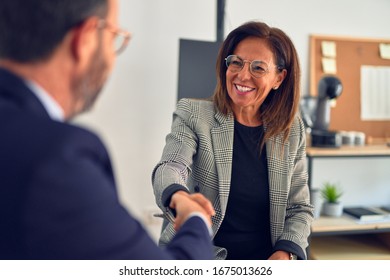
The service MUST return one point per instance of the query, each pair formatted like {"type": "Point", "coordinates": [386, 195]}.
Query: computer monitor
{"type": "Point", "coordinates": [197, 74]}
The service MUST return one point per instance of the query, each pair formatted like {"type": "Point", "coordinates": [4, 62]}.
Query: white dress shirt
{"type": "Point", "coordinates": [49, 103]}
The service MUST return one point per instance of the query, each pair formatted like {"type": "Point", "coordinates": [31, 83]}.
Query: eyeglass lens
{"type": "Point", "coordinates": [257, 68]}
{"type": "Point", "coordinates": [119, 43]}
{"type": "Point", "coordinates": [121, 38]}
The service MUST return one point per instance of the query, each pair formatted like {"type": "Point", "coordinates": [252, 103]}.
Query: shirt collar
{"type": "Point", "coordinates": [51, 105]}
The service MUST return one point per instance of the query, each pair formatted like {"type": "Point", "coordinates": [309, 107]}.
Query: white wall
{"type": "Point", "coordinates": [364, 181]}
{"type": "Point", "coordinates": [134, 113]}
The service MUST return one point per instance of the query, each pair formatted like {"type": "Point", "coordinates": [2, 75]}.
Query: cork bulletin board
{"type": "Point", "coordinates": [345, 63]}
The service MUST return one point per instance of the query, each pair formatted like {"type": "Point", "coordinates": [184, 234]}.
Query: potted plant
{"type": "Point", "coordinates": [332, 205]}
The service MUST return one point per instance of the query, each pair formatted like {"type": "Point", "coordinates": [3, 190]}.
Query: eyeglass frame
{"type": "Point", "coordinates": [250, 65]}
{"type": "Point", "coordinates": [125, 35]}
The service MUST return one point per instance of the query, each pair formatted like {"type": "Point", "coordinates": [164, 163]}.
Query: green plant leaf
{"type": "Point", "coordinates": [331, 192]}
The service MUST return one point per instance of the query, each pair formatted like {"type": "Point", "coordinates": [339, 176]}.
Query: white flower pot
{"type": "Point", "coordinates": [332, 209]}
{"type": "Point", "coordinates": [316, 201]}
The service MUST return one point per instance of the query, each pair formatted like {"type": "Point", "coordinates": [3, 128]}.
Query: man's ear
{"type": "Point", "coordinates": [84, 39]}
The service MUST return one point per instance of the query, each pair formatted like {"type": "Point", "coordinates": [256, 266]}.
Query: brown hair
{"type": "Point", "coordinates": [280, 107]}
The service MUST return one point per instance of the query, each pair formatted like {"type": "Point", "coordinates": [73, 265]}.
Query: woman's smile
{"type": "Point", "coordinates": [243, 90]}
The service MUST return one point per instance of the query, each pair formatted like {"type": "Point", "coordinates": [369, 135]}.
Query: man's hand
{"type": "Point", "coordinates": [186, 204]}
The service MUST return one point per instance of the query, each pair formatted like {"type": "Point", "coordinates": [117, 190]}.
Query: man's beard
{"type": "Point", "coordinates": [87, 87]}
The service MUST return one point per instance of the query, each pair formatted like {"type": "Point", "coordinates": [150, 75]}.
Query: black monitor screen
{"type": "Point", "coordinates": [197, 76]}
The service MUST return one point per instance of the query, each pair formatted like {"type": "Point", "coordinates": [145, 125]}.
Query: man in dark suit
{"type": "Point", "coordinates": [58, 197]}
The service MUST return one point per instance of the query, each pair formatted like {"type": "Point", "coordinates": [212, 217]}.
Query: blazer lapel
{"type": "Point", "coordinates": [277, 158]}
{"type": "Point", "coordinates": [222, 138]}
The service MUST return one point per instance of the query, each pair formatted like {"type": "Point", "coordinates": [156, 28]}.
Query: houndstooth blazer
{"type": "Point", "coordinates": [198, 155]}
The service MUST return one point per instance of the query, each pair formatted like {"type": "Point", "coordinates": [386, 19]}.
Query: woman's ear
{"type": "Point", "coordinates": [280, 78]}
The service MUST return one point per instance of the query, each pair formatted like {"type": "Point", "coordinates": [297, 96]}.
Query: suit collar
{"type": "Point", "coordinates": [14, 92]}
{"type": "Point", "coordinates": [278, 162]}
{"type": "Point", "coordinates": [222, 137]}
{"type": "Point", "coordinates": [51, 105]}
{"type": "Point", "coordinates": [221, 118]}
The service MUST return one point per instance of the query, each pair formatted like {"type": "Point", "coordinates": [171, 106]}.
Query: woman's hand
{"type": "Point", "coordinates": [280, 255]}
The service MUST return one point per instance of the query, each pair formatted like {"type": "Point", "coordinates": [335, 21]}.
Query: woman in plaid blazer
{"type": "Point", "coordinates": [244, 149]}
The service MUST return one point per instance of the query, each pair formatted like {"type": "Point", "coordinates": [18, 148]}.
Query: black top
{"type": "Point", "coordinates": [245, 231]}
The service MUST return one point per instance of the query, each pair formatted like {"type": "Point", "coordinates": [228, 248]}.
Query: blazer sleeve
{"type": "Point", "coordinates": [181, 145]}
{"type": "Point", "coordinates": [72, 211]}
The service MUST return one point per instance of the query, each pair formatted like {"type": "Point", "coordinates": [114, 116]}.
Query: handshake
{"type": "Point", "coordinates": [187, 204]}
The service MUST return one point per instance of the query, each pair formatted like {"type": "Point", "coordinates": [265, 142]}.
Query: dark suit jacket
{"type": "Point", "coordinates": [58, 198]}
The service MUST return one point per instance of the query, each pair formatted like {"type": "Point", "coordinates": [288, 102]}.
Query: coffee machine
{"type": "Point", "coordinates": [317, 118]}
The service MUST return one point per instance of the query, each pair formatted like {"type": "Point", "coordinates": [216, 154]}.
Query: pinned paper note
{"type": "Point", "coordinates": [384, 50]}
{"type": "Point", "coordinates": [374, 96]}
{"type": "Point", "coordinates": [329, 65]}
{"type": "Point", "coordinates": [328, 49]}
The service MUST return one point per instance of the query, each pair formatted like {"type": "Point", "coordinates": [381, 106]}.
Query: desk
{"type": "Point", "coordinates": [344, 237]}
{"type": "Point", "coordinates": [349, 247]}
{"type": "Point", "coordinates": [345, 225]}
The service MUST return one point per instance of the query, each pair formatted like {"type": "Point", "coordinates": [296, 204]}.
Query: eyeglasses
{"type": "Point", "coordinates": [122, 37]}
{"type": "Point", "coordinates": [257, 68]}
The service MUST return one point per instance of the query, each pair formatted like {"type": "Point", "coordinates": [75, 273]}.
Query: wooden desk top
{"type": "Point", "coordinates": [344, 223]}
{"type": "Point", "coordinates": [367, 150]}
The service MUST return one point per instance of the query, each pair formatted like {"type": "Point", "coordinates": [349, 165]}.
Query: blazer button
{"type": "Point", "coordinates": [197, 189]}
